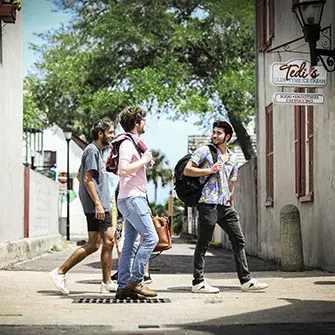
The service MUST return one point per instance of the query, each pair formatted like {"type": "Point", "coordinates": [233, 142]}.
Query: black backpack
{"type": "Point", "coordinates": [189, 189]}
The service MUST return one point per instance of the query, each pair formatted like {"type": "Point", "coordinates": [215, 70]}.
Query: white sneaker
{"type": "Point", "coordinates": [253, 285]}
{"type": "Point", "coordinates": [59, 281]}
{"type": "Point", "coordinates": [108, 288]}
{"type": "Point", "coordinates": [203, 287]}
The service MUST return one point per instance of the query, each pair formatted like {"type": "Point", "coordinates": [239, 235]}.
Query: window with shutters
{"type": "Point", "coordinates": [265, 23]}
{"type": "Point", "coordinates": [304, 150]}
{"type": "Point", "coordinates": [269, 156]}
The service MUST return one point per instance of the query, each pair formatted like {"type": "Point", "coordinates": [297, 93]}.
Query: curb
{"type": "Point", "coordinates": [20, 250]}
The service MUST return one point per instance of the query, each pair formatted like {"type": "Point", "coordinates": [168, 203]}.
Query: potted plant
{"type": "Point", "coordinates": [8, 10]}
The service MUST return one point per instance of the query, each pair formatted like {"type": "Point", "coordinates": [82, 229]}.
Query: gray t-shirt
{"type": "Point", "coordinates": [92, 160]}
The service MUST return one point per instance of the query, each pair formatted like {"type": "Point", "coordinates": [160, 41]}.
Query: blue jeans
{"type": "Point", "coordinates": [137, 222]}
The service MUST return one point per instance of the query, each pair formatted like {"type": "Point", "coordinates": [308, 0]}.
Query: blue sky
{"type": "Point", "coordinates": [168, 136]}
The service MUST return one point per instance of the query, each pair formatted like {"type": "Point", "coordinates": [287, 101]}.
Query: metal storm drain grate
{"type": "Point", "coordinates": [105, 300]}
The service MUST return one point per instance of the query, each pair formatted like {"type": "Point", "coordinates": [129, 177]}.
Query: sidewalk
{"type": "Point", "coordinates": [303, 302]}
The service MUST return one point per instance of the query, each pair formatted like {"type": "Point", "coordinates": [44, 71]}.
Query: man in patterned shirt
{"type": "Point", "coordinates": [216, 205]}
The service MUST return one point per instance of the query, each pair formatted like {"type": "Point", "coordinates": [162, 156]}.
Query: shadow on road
{"type": "Point", "coordinates": [294, 318]}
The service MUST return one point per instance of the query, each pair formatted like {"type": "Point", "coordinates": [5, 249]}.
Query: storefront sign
{"type": "Point", "coordinates": [297, 73]}
{"type": "Point", "coordinates": [288, 98]}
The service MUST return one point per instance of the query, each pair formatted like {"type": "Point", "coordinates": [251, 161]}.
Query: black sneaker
{"type": "Point", "coordinates": [114, 277]}
{"type": "Point", "coordinates": [147, 279]}
{"type": "Point", "coordinates": [124, 293]}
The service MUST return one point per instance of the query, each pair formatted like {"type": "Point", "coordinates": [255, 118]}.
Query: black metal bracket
{"type": "Point", "coordinates": [286, 47]}
{"type": "Point", "coordinates": [326, 55]}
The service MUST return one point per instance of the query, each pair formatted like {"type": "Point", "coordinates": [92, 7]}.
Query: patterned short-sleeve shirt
{"type": "Point", "coordinates": [216, 190]}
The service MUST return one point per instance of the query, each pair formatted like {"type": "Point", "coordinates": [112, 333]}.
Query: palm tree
{"type": "Point", "coordinates": [160, 171]}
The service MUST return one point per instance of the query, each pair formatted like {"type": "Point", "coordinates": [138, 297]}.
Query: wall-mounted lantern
{"type": "Point", "coordinates": [309, 14]}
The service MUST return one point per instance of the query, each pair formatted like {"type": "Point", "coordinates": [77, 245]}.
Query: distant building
{"type": "Point", "coordinates": [296, 146]}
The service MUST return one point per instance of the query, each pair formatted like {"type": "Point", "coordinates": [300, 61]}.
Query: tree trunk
{"type": "Point", "coordinates": [243, 137]}
{"type": "Point", "coordinates": [156, 187]}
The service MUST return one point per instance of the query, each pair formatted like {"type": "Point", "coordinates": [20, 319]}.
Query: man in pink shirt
{"type": "Point", "coordinates": [133, 205]}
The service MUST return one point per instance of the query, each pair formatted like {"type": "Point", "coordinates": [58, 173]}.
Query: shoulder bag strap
{"type": "Point", "coordinates": [214, 154]}
{"type": "Point", "coordinates": [134, 142]}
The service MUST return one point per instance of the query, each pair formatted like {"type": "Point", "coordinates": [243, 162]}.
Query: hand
{"type": "Point", "coordinates": [99, 212]}
{"type": "Point", "coordinates": [216, 167]}
{"type": "Point", "coordinates": [151, 163]}
{"type": "Point", "coordinates": [147, 157]}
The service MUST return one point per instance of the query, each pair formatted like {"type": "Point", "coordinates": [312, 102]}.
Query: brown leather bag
{"type": "Point", "coordinates": [162, 226]}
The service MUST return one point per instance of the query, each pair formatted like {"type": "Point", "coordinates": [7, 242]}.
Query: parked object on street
{"type": "Point", "coordinates": [292, 258]}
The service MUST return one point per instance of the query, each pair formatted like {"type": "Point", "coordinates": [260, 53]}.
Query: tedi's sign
{"type": "Point", "coordinates": [297, 73]}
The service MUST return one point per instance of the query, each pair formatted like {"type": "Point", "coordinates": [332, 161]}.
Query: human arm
{"type": "Point", "coordinates": [89, 184]}
{"type": "Point", "coordinates": [126, 152]}
{"type": "Point", "coordinates": [192, 167]}
{"type": "Point", "coordinates": [90, 165]}
{"type": "Point", "coordinates": [231, 184]}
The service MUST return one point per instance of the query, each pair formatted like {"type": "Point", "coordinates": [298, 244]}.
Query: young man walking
{"type": "Point", "coordinates": [216, 205]}
{"type": "Point", "coordinates": [95, 198]}
{"type": "Point", "coordinates": [133, 205]}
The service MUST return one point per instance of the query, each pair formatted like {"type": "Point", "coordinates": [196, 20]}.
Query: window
{"type": "Point", "coordinates": [50, 159]}
{"type": "Point", "coordinates": [304, 150]}
{"type": "Point", "coordinates": [265, 25]}
{"type": "Point", "coordinates": [269, 155]}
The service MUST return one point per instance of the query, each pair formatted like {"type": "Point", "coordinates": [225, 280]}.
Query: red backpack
{"type": "Point", "coordinates": [112, 164]}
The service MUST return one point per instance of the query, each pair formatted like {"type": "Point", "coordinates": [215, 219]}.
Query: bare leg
{"type": "Point", "coordinates": [93, 244]}
{"type": "Point", "coordinates": [106, 254]}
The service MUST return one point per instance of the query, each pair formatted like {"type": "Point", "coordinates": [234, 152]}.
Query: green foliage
{"type": "Point", "coordinates": [55, 248]}
{"type": "Point", "coordinates": [157, 209]}
{"type": "Point", "coordinates": [172, 55]}
{"type": "Point", "coordinates": [33, 119]}
{"type": "Point", "coordinates": [178, 215]}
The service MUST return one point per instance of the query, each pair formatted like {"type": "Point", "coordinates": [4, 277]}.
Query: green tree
{"type": "Point", "coordinates": [33, 119]}
{"type": "Point", "coordinates": [178, 215]}
{"type": "Point", "coordinates": [157, 209]}
{"type": "Point", "coordinates": [186, 56]}
{"type": "Point", "coordinates": [159, 171]}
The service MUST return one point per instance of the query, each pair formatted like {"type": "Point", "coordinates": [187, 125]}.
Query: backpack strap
{"type": "Point", "coordinates": [129, 136]}
{"type": "Point", "coordinates": [214, 154]}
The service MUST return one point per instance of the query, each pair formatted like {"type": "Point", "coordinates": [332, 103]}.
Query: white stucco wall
{"type": "Point", "coordinates": [11, 168]}
{"type": "Point", "coordinates": [53, 139]}
{"type": "Point", "coordinates": [43, 205]}
{"type": "Point", "coordinates": [317, 217]}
